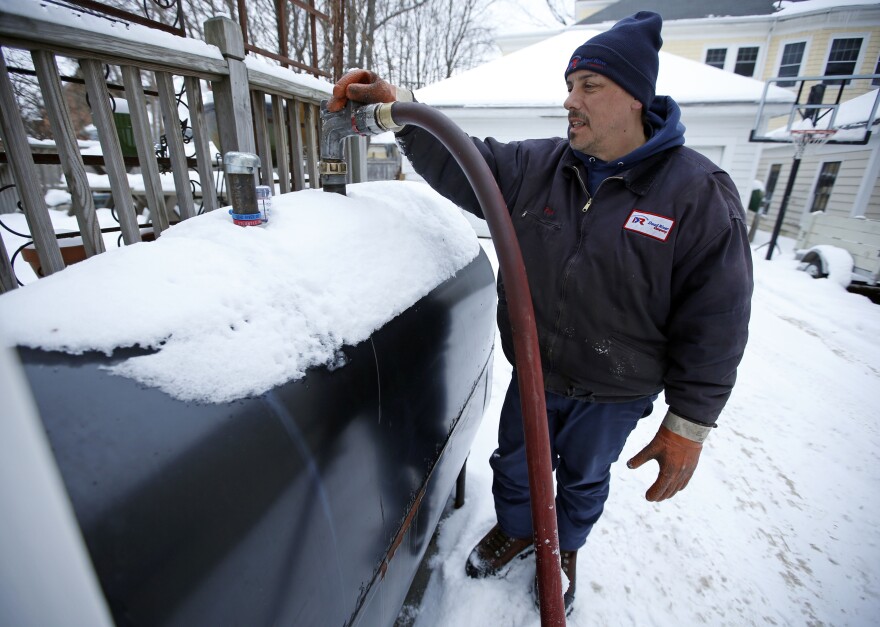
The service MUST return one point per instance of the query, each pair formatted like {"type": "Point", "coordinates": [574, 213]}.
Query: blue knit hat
{"type": "Point", "coordinates": [627, 54]}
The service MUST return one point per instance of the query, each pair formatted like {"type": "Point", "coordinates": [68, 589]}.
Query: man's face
{"type": "Point", "coordinates": [603, 119]}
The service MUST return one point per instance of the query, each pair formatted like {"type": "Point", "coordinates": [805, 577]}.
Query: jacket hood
{"type": "Point", "coordinates": [667, 131]}
{"type": "Point", "coordinates": [664, 118]}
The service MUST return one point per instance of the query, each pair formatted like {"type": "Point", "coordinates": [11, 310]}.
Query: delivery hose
{"type": "Point", "coordinates": [525, 336]}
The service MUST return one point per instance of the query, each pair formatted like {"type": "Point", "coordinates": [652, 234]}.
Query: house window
{"type": "Point", "coordinates": [827, 176]}
{"type": "Point", "coordinates": [842, 58]}
{"type": "Point", "coordinates": [790, 64]}
{"type": "Point", "coordinates": [715, 57]}
{"type": "Point", "coordinates": [876, 81]}
{"type": "Point", "coordinates": [746, 58]}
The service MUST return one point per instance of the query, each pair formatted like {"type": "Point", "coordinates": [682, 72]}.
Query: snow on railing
{"type": "Point", "coordinates": [146, 96]}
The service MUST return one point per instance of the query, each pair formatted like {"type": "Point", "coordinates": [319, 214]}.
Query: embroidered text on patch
{"type": "Point", "coordinates": [585, 62]}
{"type": "Point", "coordinates": [649, 224]}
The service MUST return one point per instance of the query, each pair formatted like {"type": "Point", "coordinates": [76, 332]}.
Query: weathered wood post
{"type": "Point", "coordinates": [71, 160]}
{"type": "Point", "coordinates": [114, 163]}
{"type": "Point", "coordinates": [231, 94]}
{"type": "Point", "coordinates": [24, 172]}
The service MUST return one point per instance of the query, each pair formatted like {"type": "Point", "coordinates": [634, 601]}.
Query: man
{"type": "Point", "coordinates": [640, 273]}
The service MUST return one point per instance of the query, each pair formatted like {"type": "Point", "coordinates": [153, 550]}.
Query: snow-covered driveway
{"type": "Point", "coordinates": [777, 527]}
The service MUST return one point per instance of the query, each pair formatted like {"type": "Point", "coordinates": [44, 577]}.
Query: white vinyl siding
{"type": "Point", "coordinates": [872, 211]}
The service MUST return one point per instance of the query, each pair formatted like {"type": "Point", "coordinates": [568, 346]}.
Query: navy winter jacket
{"type": "Point", "coordinates": [642, 285]}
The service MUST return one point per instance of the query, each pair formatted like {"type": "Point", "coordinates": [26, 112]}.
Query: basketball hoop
{"type": "Point", "coordinates": [803, 137]}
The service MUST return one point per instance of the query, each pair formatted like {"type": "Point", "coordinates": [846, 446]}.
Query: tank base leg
{"type": "Point", "coordinates": [459, 486]}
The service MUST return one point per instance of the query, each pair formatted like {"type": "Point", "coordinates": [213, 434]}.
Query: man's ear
{"type": "Point", "coordinates": [636, 105]}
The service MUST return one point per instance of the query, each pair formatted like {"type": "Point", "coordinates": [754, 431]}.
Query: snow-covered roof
{"type": "Point", "coordinates": [806, 6]}
{"type": "Point", "coordinates": [672, 10]}
{"type": "Point", "coordinates": [681, 9]}
{"type": "Point", "coordinates": [534, 77]}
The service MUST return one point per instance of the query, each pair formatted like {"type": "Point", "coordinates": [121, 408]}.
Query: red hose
{"type": "Point", "coordinates": [525, 342]}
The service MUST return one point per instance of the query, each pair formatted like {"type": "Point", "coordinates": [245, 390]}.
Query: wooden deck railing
{"type": "Point", "coordinates": [287, 144]}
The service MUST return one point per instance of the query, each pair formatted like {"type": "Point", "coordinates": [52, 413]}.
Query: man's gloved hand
{"type": "Point", "coordinates": [677, 456]}
{"type": "Point", "coordinates": [366, 87]}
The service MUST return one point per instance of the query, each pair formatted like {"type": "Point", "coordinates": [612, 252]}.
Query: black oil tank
{"type": "Point", "coordinates": [311, 504]}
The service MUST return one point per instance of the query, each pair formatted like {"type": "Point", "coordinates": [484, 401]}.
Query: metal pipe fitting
{"type": "Point", "coordinates": [335, 127]}
{"type": "Point", "coordinates": [354, 119]}
{"type": "Point", "coordinates": [241, 170]}
{"type": "Point", "coordinates": [373, 119]}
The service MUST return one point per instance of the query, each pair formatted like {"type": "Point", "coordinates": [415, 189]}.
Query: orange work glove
{"type": "Point", "coordinates": [362, 86]}
{"type": "Point", "coordinates": [677, 456]}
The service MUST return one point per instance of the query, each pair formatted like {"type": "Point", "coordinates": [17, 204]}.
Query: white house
{"type": "Point", "coordinates": [520, 96]}
{"type": "Point", "coordinates": [839, 179]}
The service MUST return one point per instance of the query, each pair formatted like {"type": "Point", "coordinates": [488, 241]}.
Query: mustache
{"type": "Point", "coordinates": [577, 117]}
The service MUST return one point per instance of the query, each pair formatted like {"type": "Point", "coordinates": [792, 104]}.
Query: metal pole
{"type": "Point", "coordinates": [281, 19]}
{"type": "Point", "coordinates": [795, 164]}
{"type": "Point", "coordinates": [314, 32]}
{"type": "Point", "coordinates": [242, 20]}
{"type": "Point", "coordinates": [338, 29]}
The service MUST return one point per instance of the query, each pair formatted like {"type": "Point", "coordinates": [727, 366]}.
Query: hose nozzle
{"type": "Point", "coordinates": [373, 119]}
{"type": "Point", "coordinates": [354, 119]}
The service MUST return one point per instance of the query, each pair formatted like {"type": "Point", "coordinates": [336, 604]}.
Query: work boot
{"type": "Point", "coordinates": [493, 553]}
{"type": "Point", "coordinates": [568, 561]}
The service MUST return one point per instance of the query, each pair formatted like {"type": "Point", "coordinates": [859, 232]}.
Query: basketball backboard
{"type": "Point", "coordinates": [826, 109]}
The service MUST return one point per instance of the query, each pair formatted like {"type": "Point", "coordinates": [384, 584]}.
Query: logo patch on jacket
{"type": "Point", "coordinates": [649, 224]}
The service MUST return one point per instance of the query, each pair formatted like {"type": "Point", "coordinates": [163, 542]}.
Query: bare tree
{"type": "Point", "coordinates": [27, 92]}
{"type": "Point", "coordinates": [433, 41]}
{"type": "Point", "coordinates": [561, 11]}
{"type": "Point", "coordinates": [367, 19]}
{"type": "Point", "coordinates": [413, 42]}
{"type": "Point", "coordinates": [466, 42]}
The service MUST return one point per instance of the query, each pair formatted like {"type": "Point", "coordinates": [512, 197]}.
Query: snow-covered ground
{"type": "Point", "coordinates": [778, 525]}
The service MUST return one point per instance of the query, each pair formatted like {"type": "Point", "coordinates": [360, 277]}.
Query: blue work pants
{"type": "Point", "coordinates": [585, 439]}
